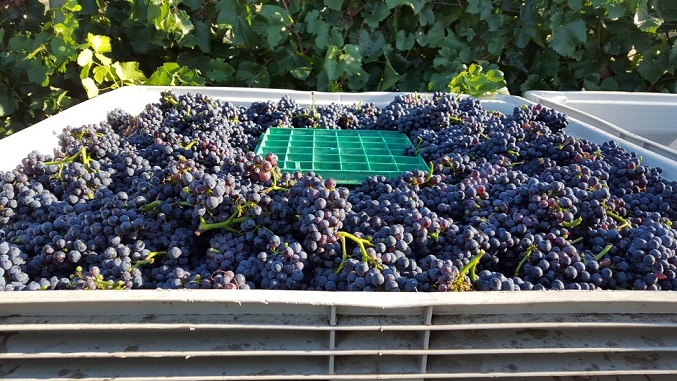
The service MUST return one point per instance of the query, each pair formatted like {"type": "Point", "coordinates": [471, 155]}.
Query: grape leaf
{"type": "Point", "coordinates": [645, 21]}
{"type": "Point", "coordinates": [8, 104]}
{"type": "Point", "coordinates": [334, 4]}
{"type": "Point", "coordinates": [374, 12]}
{"type": "Point", "coordinates": [416, 5]}
{"type": "Point", "coordinates": [90, 87]}
{"type": "Point", "coordinates": [85, 58]}
{"type": "Point", "coordinates": [390, 76]}
{"type": "Point", "coordinates": [100, 44]}
{"type": "Point", "coordinates": [101, 74]}
{"type": "Point", "coordinates": [61, 50]}
{"type": "Point", "coordinates": [371, 43]}
{"type": "Point", "coordinates": [301, 72]}
{"type": "Point", "coordinates": [332, 64]}
{"type": "Point", "coordinates": [404, 41]}
{"type": "Point", "coordinates": [566, 36]}
{"type": "Point", "coordinates": [128, 72]}
{"type": "Point", "coordinates": [219, 71]}
{"type": "Point", "coordinates": [253, 74]}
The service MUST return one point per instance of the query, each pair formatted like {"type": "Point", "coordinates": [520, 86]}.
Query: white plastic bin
{"type": "Point", "coordinates": [646, 119]}
{"type": "Point", "coordinates": [145, 335]}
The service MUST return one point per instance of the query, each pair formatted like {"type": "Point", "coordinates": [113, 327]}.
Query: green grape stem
{"type": "Point", "coordinates": [471, 266]}
{"type": "Point", "coordinates": [603, 252]}
{"type": "Point", "coordinates": [61, 162]}
{"type": "Point", "coordinates": [361, 243]}
{"type": "Point", "coordinates": [275, 187]}
{"type": "Point", "coordinates": [577, 240]}
{"type": "Point", "coordinates": [459, 283]}
{"type": "Point", "coordinates": [527, 255]}
{"type": "Point", "coordinates": [618, 218]}
{"type": "Point", "coordinates": [150, 206]}
{"type": "Point", "coordinates": [573, 223]}
{"type": "Point", "coordinates": [150, 259]}
{"type": "Point", "coordinates": [227, 224]}
{"type": "Point", "coordinates": [191, 144]}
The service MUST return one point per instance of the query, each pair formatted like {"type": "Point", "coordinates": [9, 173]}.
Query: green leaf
{"type": "Point", "coordinates": [8, 104]}
{"type": "Point", "coordinates": [645, 21]}
{"type": "Point", "coordinates": [565, 37]}
{"type": "Point", "coordinates": [193, 5]}
{"type": "Point", "coordinates": [332, 65]}
{"type": "Point", "coordinates": [37, 72]}
{"type": "Point", "coordinates": [60, 49]}
{"type": "Point", "coordinates": [666, 9]}
{"type": "Point", "coordinates": [651, 67]}
{"type": "Point", "coordinates": [404, 41]}
{"type": "Point", "coordinates": [374, 12]}
{"type": "Point", "coordinates": [90, 87]}
{"type": "Point", "coordinates": [301, 72]}
{"type": "Point", "coordinates": [474, 83]}
{"type": "Point", "coordinates": [202, 36]}
{"type": "Point", "coordinates": [575, 5]}
{"type": "Point", "coordinates": [100, 44]}
{"type": "Point", "coordinates": [426, 16]}
{"type": "Point", "coordinates": [334, 4]}
{"type": "Point", "coordinates": [162, 76]}
{"type": "Point", "coordinates": [277, 23]}
{"type": "Point", "coordinates": [394, 3]}
{"type": "Point", "coordinates": [85, 58]}
{"type": "Point", "coordinates": [219, 71]}
{"type": "Point", "coordinates": [239, 20]}
{"type": "Point", "coordinates": [371, 43]}
{"type": "Point", "coordinates": [101, 75]}
{"type": "Point", "coordinates": [435, 37]}
{"type": "Point", "coordinates": [253, 74]}
{"type": "Point", "coordinates": [171, 74]}
{"type": "Point", "coordinates": [129, 72]}
{"type": "Point", "coordinates": [390, 77]}
{"type": "Point", "coordinates": [105, 61]}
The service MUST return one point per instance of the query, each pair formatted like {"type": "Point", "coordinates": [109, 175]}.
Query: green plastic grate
{"type": "Point", "coordinates": [348, 156]}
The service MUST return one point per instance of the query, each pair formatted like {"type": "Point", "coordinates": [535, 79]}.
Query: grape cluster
{"type": "Point", "coordinates": [174, 198]}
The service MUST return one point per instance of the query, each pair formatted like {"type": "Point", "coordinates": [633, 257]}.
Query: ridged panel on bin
{"type": "Point", "coordinates": [348, 156]}
{"type": "Point", "coordinates": [276, 335]}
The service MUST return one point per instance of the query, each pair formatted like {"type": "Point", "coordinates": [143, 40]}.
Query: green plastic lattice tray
{"type": "Point", "coordinates": [348, 156]}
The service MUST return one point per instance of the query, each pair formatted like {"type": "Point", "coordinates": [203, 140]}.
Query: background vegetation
{"type": "Point", "coordinates": [53, 58]}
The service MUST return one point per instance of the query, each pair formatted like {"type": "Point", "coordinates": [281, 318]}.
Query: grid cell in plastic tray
{"type": "Point", "coordinates": [348, 156]}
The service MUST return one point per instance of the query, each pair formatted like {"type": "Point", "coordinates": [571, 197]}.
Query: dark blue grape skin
{"type": "Point", "coordinates": [174, 197]}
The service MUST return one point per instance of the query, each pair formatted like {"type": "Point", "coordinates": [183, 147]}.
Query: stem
{"type": "Point", "coordinates": [603, 252]}
{"type": "Point", "coordinates": [344, 255]}
{"type": "Point", "coordinates": [459, 283]}
{"type": "Point", "coordinates": [191, 144]}
{"type": "Point", "coordinates": [204, 226]}
{"type": "Point", "coordinates": [361, 242]}
{"type": "Point", "coordinates": [618, 218]}
{"type": "Point", "coordinates": [150, 206]}
{"type": "Point", "coordinates": [274, 187]}
{"type": "Point", "coordinates": [150, 259]}
{"type": "Point", "coordinates": [527, 255]}
{"type": "Point", "coordinates": [577, 240]}
{"type": "Point", "coordinates": [430, 173]}
{"type": "Point", "coordinates": [573, 223]}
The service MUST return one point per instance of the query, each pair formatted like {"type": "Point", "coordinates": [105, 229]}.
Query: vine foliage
{"type": "Point", "coordinates": [53, 58]}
